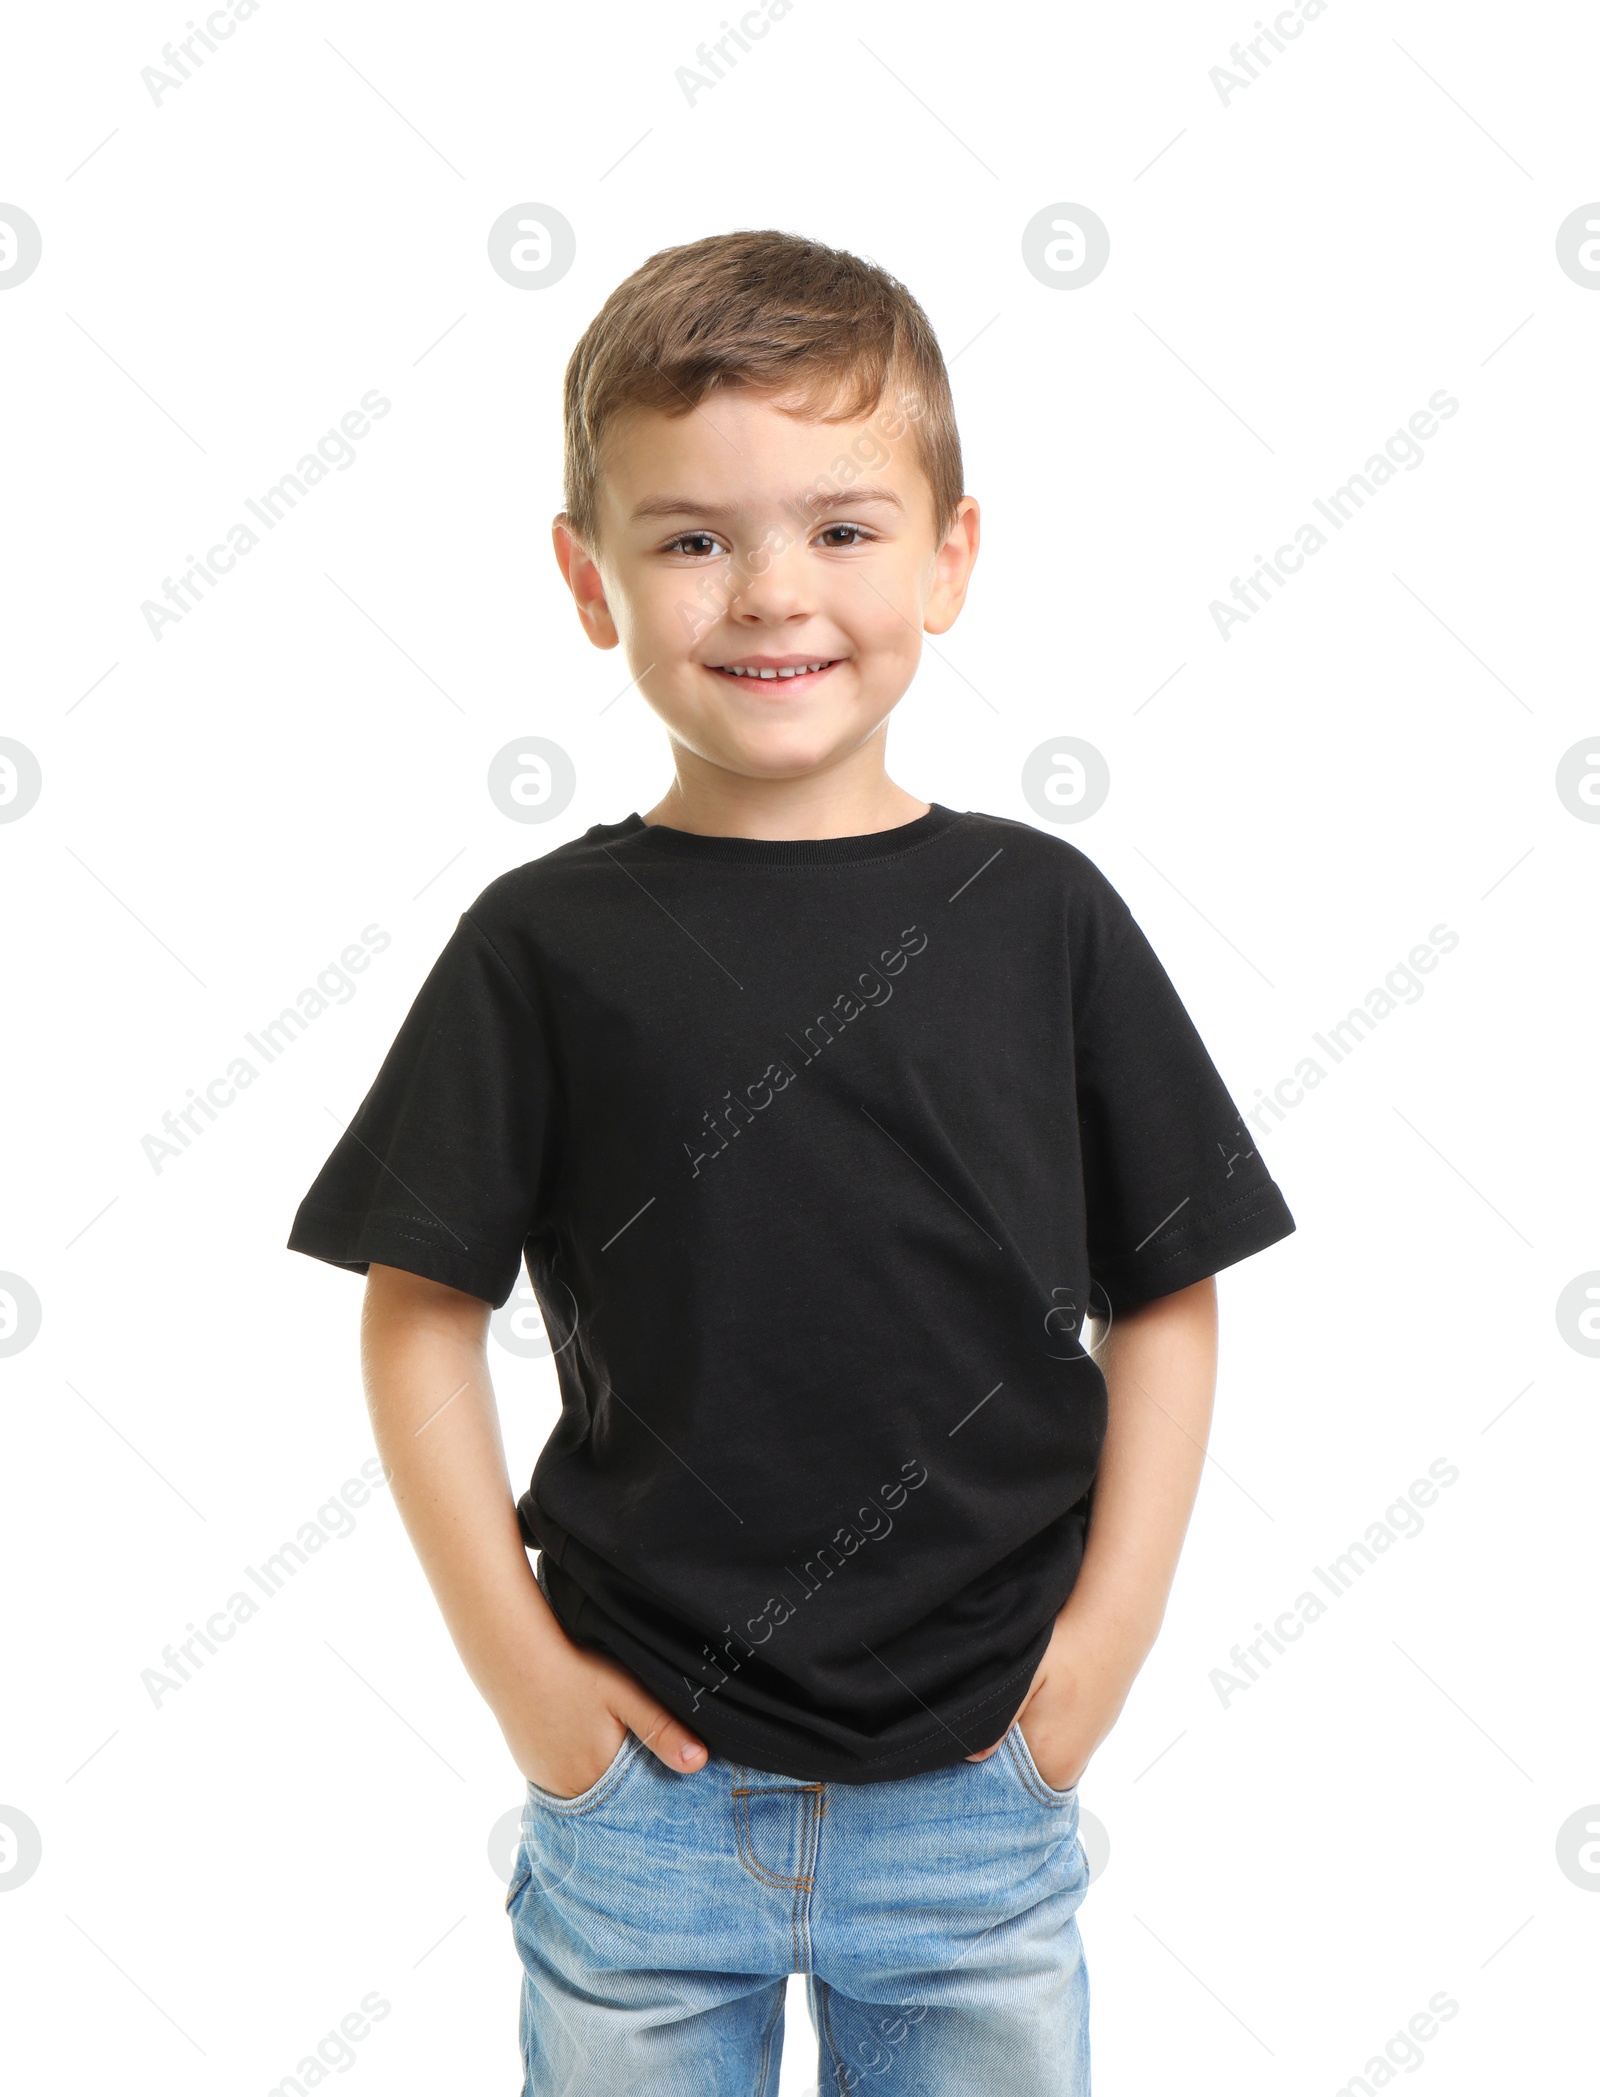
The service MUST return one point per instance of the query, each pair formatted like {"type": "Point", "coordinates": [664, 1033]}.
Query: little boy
{"type": "Point", "coordinates": [826, 1121]}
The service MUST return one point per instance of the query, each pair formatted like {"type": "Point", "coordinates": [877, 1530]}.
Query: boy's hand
{"type": "Point", "coordinates": [1078, 1691]}
{"type": "Point", "coordinates": [564, 1734]}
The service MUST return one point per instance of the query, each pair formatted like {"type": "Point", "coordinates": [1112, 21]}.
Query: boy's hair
{"type": "Point", "coordinates": [771, 312]}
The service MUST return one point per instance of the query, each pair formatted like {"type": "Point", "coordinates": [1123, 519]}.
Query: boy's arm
{"type": "Point", "coordinates": [562, 1709]}
{"type": "Point", "coordinates": [1160, 1366]}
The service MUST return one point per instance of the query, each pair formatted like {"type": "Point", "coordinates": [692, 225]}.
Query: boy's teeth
{"type": "Point", "coordinates": [799, 670]}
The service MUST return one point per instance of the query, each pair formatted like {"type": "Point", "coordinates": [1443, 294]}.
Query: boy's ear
{"type": "Point", "coordinates": [581, 573]}
{"type": "Point", "coordinates": [952, 569]}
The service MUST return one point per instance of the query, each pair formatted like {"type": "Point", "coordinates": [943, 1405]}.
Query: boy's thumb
{"type": "Point", "coordinates": [662, 1734]}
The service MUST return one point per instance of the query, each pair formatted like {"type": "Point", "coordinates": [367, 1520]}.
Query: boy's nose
{"type": "Point", "coordinates": [777, 593]}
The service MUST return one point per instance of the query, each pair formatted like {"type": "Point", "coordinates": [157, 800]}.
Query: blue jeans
{"type": "Point", "coordinates": [659, 1916]}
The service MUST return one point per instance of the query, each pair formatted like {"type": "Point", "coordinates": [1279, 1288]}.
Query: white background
{"type": "Point", "coordinates": [1281, 1884]}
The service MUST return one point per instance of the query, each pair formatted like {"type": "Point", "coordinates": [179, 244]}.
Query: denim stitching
{"type": "Point", "coordinates": [764, 2073]}
{"type": "Point", "coordinates": [746, 1838]}
{"type": "Point", "coordinates": [826, 1995]}
{"type": "Point", "coordinates": [1021, 1758]}
{"type": "Point", "coordinates": [518, 1881]}
{"type": "Point", "coordinates": [811, 1840]}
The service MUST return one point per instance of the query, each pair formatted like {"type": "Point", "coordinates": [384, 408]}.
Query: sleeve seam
{"type": "Point", "coordinates": [1105, 970]}
{"type": "Point", "coordinates": [436, 1232]}
{"type": "Point", "coordinates": [514, 978]}
{"type": "Point", "coordinates": [544, 1029]}
{"type": "Point", "coordinates": [1255, 1201]}
{"type": "Point", "coordinates": [1214, 1227]}
{"type": "Point", "coordinates": [1217, 1219]}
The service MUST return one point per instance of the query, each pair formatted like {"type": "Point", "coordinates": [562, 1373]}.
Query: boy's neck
{"type": "Point", "coordinates": [850, 799]}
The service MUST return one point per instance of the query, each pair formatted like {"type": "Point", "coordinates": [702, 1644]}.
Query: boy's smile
{"type": "Point", "coordinates": [770, 577]}
{"type": "Point", "coordinates": [770, 667]}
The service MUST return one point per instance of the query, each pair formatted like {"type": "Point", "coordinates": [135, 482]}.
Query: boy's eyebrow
{"type": "Point", "coordinates": [815, 504]}
{"type": "Point", "coordinates": [848, 498]}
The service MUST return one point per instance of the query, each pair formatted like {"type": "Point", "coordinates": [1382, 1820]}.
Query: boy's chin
{"type": "Point", "coordinates": [788, 760]}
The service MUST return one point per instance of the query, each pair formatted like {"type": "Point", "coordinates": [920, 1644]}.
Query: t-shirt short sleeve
{"type": "Point", "coordinates": [438, 1171]}
{"type": "Point", "coordinates": [1174, 1185]}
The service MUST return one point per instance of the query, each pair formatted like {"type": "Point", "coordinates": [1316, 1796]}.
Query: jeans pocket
{"type": "Point", "coordinates": [602, 1787]}
{"type": "Point", "coordinates": [1015, 1746]}
{"type": "Point", "coordinates": [521, 1873]}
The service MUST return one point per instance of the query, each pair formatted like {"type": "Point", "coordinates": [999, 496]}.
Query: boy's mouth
{"type": "Point", "coordinates": [790, 672]}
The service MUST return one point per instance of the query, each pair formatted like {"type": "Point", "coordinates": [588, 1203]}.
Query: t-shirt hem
{"type": "Point", "coordinates": [1232, 1232]}
{"type": "Point", "coordinates": [739, 1738]}
{"type": "Point", "coordinates": [354, 1239]}
{"type": "Point", "coordinates": [739, 1735]}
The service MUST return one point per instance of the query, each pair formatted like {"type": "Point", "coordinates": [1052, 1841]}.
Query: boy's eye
{"type": "Point", "coordinates": [702, 546]}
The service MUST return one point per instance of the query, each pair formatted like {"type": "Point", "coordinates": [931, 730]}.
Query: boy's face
{"type": "Point", "coordinates": [738, 539]}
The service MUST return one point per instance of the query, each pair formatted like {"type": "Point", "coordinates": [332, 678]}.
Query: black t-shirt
{"type": "Point", "coordinates": [818, 1153]}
